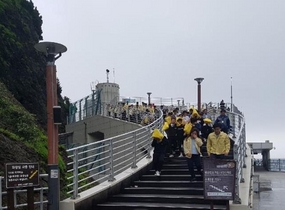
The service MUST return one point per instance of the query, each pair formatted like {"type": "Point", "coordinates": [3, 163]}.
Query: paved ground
{"type": "Point", "coordinates": [272, 195]}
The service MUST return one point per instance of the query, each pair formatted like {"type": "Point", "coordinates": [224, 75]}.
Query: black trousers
{"type": "Point", "coordinates": [195, 160]}
{"type": "Point", "coordinates": [215, 156]}
{"type": "Point", "coordinates": [158, 159]}
{"type": "Point", "coordinates": [180, 140]}
{"type": "Point", "coordinates": [172, 144]}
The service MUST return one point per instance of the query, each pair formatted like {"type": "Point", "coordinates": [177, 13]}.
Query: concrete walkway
{"type": "Point", "coordinates": [272, 195]}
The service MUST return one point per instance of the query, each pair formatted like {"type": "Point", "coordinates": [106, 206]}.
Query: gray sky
{"type": "Point", "coordinates": [162, 45]}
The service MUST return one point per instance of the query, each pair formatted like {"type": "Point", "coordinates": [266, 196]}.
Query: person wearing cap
{"type": "Point", "coordinates": [160, 144]}
{"type": "Point", "coordinates": [224, 120]}
{"type": "Point", "coordinates": [218, 143]}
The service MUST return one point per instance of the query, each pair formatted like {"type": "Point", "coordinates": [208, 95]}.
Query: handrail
{"type": "Point", "coordinates": [112, 156]}
{"type": "Point", "coordinates": [42, 199]}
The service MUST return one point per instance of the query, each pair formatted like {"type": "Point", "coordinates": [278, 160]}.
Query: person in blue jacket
{"type": "Point", "coordinates": [224, 120]}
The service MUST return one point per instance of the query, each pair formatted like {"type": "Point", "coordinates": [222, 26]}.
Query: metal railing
{"type": "Point", "coordinates": [94, 163]}
{"type": "Point", "coordinates": [40, 201]}
{"type": "Point", "coordinates": [272, 164]}
{"type": "Point", "coordinates": [85, 107]}
{"type": "Point", "coordinates": [239, 150]}
{"type": "Point", "coordinates": [238, 135]}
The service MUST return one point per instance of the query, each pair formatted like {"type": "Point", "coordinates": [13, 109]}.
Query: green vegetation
{"type": "Point", "coordinates": [23, 89]}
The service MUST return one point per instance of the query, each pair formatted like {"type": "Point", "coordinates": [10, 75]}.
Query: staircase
{"type": "Point", "coordinates": [172, 190]}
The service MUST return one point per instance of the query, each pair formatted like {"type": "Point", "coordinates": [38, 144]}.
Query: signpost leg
{"type": "Point", "coordinates": [228, 205]}
{"type": "Point", "coordinates": [30, 198]}
{"type": "Point", "coordinates": [212, 205]}
{"type": "Point", "coordinates": [10, 194]}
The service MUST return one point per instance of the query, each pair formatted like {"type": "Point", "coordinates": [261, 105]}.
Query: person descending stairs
{"type": "Point", "coordinates": [173, 189]}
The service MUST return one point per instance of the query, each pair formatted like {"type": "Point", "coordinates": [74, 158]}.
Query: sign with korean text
{"type": "Point", "coordinates": [18, 175]}
{"type": "Point", "coordinates": [219, 179]}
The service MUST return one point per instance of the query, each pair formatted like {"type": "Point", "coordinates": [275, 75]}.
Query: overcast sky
{"type": "Point", "coordinates": [161, 46]}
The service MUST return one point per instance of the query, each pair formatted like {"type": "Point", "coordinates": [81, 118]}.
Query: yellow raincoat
{"type": "Point", "coordinates": [218, 145]}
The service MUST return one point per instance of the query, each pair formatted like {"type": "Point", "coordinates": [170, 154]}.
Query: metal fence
{"type": "Point", "coordinates": [91, 105]}
{"type": "Point", "coordinates": [238, 135]}
{"type": "Point", "coordinates": [97, 162]}
{"type": "Point", "coordinates": [85, 107]}
{"type": "Point", "coordinates": [273, 164]}
{"type": "Point", "coordinates": [40, 196]}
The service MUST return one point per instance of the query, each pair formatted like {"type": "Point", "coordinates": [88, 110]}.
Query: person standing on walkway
{"type": "Point", "coordinates": [160, 144]}
{"type": "Point", "coordinates": [218, 143]}
{"type": "Point", "coordinates": [192, 152]}
{"type": "Point", "coordinates": [224, 120]}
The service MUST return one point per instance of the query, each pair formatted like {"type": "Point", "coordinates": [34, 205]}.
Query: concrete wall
{"type": "Point", "coordinates": [91, 129]}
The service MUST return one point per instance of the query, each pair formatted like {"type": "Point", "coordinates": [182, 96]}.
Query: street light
{"type": "Point", "coordinates": [199, 81]}
{"type": "Point", "coordinates": [52, 51]}
{"type": "Point", "coordinates": [148, 93]}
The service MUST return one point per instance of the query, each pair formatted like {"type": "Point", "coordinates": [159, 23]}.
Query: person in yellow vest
{"type": "Point", "coordinates": [218, 143]}
{"type": "Point", "coordinates": [160, 144]}
{"type": "Point", "coordinates": [192, 152]}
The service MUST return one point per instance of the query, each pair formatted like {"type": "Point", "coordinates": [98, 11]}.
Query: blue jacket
{"type": "Point", "coordinates": [225, 122]}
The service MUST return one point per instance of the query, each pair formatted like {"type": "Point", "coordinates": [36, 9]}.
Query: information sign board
{"type": "Point", "coordinates": [219, 179]}
{"type": "Point", "coordinates": [20, 175]}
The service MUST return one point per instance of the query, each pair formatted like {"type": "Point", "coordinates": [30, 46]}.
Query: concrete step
{"type": "Point", "coordinates": [164, 190]}
{"type": "Point", "coordinates": [175, 171]}
{"type": "Point", "coordinates": [157, 198]}
{"type": "Point", "coordinates": [160, 206]}
{"type": "Point", "coordinates": [156, 183]}
{"type": "Point", "coordinates": [169, 177]}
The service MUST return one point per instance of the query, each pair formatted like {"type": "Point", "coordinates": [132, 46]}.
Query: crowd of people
{"type": "Point", "coordinates": [184, 133]}
{"type": "Point", "coordinates": [143, 114]}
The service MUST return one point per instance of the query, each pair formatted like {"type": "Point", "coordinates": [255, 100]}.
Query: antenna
{"type": "Point", "coordinates": [114, 74]}
{"type": "Point", "coordinates": [107, 72]}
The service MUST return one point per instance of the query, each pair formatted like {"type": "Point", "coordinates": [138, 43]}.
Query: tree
{"type": "Point", "coordinates": [22, 68]}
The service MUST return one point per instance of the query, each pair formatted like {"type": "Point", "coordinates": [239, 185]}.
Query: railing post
{"type": "Point", "coordinates": [135, 151]}
{"type": "Point", "coordinates": [237, 199]}
{"type": "Point", "coordinates": [112, 176]}
{"type": "Point", "coordinates": [279, 163]}
{"type": "Point", "coordinates": [128, 114]}
{"type": "Point", "coordinates": [0, 192]}
{"type": "Point", "coordinates": [15, 198]}
{"type": "Point", "coordinates": [149, 146]}
{"type": "Point", "coordinates": [75, 174]}
{"type": "Point", "coordinates": [41, 198]}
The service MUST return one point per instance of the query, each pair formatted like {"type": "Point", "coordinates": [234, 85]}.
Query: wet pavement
{"type": "Point", "coordinates": [272, 195]}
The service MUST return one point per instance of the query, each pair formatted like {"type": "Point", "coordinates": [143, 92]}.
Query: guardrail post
{"type": "Point", "coordinates": [75, 174]}
{"type": "Point", "coordinates": [134, 151]}
{"type": "Point", "coordinates": [112, 176]}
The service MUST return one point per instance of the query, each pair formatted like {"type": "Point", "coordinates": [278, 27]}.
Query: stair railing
{"type": "Point", "coordinates": [94, 163]}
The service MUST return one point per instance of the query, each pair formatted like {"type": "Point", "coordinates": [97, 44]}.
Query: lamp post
{"type": "Point", "coordinates": [148, 93]}
{"type": "Point", "coordinates": [199, 81]}
{"type": "Point", "coordinates": [52, 51]}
